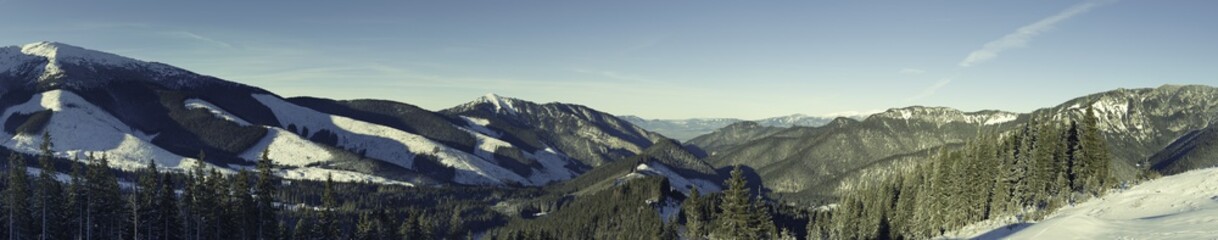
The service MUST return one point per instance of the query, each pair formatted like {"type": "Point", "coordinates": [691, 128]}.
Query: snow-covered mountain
{"type": "Point", "coordinates": [590, 137]}
{"type": "Point", "coordinates": [133, 111]}
{"type": "Point", "coordinates": [686, 129]}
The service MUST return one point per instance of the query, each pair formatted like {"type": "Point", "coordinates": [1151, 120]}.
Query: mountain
{"type": "Point", "coordinates": [1196, 149]}
{"type": "Point", "coordinates": [591, 137]}
{"type": "Point", "coordinates": [682, 129]}
{"type": "Point", "coordinates": [686, 129]}
{"type": "Point", "coordinates": [731, 136]}
{"type": "Point", "coordinates": [1137, 123]}
{"type": "Point", "coordinates": [808, 161]}
{"type": "Point", "coordinates": [132, 111]}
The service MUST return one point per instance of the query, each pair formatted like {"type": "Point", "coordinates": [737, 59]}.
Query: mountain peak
{"type": "Point", "coordinates": [56, 51]}
{"type": "Point", "coordinates": [51, 57]}
{"type": "Point", "coordinates": [501, 103]}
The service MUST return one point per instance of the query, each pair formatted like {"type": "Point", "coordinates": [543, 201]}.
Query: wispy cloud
{"type": "Point", "coordinates": [197, 37]}
{"type": "Point", "coordinates": [1021, 36]}
{"type": "Point", "coordinates": [931, 90]}
{"type": "Point", "coordinates": [911, 71]}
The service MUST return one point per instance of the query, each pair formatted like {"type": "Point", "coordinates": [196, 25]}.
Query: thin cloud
{"type": "Point", "coordinates": [911, 71]}
{"type": "Point", "coordinates": [197, 37]}
{"type": "Point", "coordinates": [931, 90]}
{"type": "Point", "coordinates": [1021, 36]}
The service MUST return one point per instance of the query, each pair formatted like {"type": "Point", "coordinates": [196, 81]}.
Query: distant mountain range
{"type": "Point", "coordinates": [686, 129]}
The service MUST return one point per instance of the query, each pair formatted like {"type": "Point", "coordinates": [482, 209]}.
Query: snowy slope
{"type": "Point", "coordinates": [1182, 206]}
{"type": "Point", "coordinates": [389, 144]}
{"type": "Point", "coordinates": [195, 103]}
{"type": "Point", "coordinates": [79, 128]}
{"type": "Point", "coordinates": [287, 149]}
{"type": "Point", "coordinates": [675, 180]}
{"type": "Point", "coordinates": [313, 173]}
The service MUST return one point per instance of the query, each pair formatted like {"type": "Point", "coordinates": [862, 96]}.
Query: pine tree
{"type": "Point", "coordinates": [169, 218]}
{"type": "Point", "coordinates": [48, 196]}
{"type": "Point", "coordinates": [105, 216]}
{"type": "Point", "coordinates": [328, 220]}
{"type": "Point", "coordinates": [1095, 154]}
{"type": "Point", "coordinates": [763, 224]}
{"type": "Point", "coordinates": [76, 201]}
{"type": "Point", "coordinates": [264, 197]}
{"type": "Point", "coordinates": [144, 211]}
{"type": "Point", "coordinates": [695, 216]}
{"type": "Point", "coordinates": [243, 211]}
{"type": "Point", "coordinates": [733, 223]}
{"type": "Point", "coordinates": [367, 228]}
{"type": "Point", "coordinates": [16, 199]}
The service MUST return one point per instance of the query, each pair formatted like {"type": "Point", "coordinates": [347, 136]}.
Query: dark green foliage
{"type": "Point", "coordinates": [48, 197]}
{"type": "Point", "coordinates": [17, 217]}
{"type": "Point", "coordinates": [694, 209]}
{"type": "Point", "coordinates": [734, 220]}
{"type": "Point", "coordinates": [264, 192]}
{"type": "Point", "coordinates": [1023, 174]}
{"type": "Point", "coordinates": [624, 212]}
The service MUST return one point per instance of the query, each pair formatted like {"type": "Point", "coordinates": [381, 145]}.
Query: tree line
{"type": "Point", "coordinates": [1021, 176]}
{"type": "Point", "coordinates": [90, 200]}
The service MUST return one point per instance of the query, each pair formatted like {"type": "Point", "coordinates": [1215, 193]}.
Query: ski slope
{"type": "Point", "coordinates": [1181, 206]}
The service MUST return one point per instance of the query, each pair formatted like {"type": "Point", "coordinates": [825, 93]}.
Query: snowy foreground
{"type": "Point", "coordinates": [1181, 206]}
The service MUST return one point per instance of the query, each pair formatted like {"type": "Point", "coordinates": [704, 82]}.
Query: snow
{"type": "Point", "coordinates": [314, 173]}
{"type": "Point", "coordinates": [50, 57]}
{"type": "Point", "coordinates": [1002, 118]}
{"type": "Point", "coordinates": [676, 181]}
{"type": "Point", "coordinates": [389, 144]}
{"type": "Point", "coordinates": [669, 210]}
{"type": "Point", "coordinates": [554, 164]}
{"type": "Point", "coordinates": [480, 125]}
{"type": "Point", "coordinates": [502, 104]}
{"type": "Point", "coordinates": [11, 58]}
{"type": "Point", "coordinates": [195, 103]}
{"type": "Point", "coordinates": [287, 149]}
{"type": "Point", "coordinates": [1182, 206]}
{"type": "Point", "coordinates": [73, 117]}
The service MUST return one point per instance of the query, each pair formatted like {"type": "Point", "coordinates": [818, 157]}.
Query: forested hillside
{"type": "Point", "coordinates": [1021, 175]}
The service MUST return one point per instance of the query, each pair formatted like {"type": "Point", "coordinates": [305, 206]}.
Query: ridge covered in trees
{"type": "Point", "coordinates": [1021, 175]}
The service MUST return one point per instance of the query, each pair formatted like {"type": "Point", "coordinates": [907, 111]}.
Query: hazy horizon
{"type": "Point", "coordinates": [659, 60]}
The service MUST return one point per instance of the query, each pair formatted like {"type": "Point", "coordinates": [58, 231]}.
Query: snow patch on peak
{"type": "Point", "coordinates": [502, 104]}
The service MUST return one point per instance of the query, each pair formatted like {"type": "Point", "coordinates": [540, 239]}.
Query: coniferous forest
{"type": "Point", "coordinates": [1020, 175]}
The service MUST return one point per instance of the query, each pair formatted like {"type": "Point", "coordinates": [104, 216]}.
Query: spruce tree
{"type": "Point", "coordinates": [48, 196]}
{"type": "Point", "coordinates": [243, 211]}
{"type": "Point", "coordinates": [1095, 154]}
{"type": "Point", "coordinates": [169, 218]}
{"type": "Point", "coordinates": [733, 223]}
{"type": "Point", "coordinates": [17, 199]}
{"type": "Point", "coordinates": [105, 216]}
{"type": "Point", "coordinates": [76, 206]}
{"type": "Point", "coordinates": [144, 210]}
{"type": "Point", "coordinates": [265, 191]}
{"type": "Point", "coordinates": [328, 220]}
{"type": "Point", "coordinates": [695, 216]}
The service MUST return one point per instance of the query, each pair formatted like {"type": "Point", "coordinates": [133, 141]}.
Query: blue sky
{"type": "Point", "coordinates": [658, 59]}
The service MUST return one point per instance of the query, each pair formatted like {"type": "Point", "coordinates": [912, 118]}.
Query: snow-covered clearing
{"type": "Point", "coordinates": [1181, 206]}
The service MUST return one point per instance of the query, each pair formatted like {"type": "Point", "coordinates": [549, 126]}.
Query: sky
{"type": "Point", "coordinates": [658, 59]}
